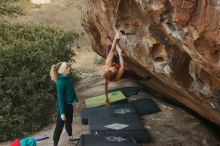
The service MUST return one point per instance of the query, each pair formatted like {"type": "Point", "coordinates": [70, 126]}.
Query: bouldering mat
{"type": "Point", "coordinates": [145, 106]}
{"type": "Point", "coordinates": [114, 97]}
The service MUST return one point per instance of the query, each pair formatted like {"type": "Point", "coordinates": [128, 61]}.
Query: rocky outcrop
{"type": "Point", "coordinates": [177, 42]}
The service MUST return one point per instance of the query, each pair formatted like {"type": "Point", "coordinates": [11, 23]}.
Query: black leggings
{"type": "Point", "coordinates": [68, 110]}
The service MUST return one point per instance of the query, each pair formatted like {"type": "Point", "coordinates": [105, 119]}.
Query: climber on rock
{"type": "Point", "coordinates": [114, 64]}
{"type": "Point", "coordinates": [114, 68]}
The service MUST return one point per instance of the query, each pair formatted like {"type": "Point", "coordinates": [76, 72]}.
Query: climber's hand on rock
{"type": "Point", "coordinates": [118, 36]}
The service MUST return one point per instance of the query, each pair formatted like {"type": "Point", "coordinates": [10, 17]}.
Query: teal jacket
{"type": "Point", "coordinates": [65, 92]}
{"type": "Point", "coordinates": [28, 141]}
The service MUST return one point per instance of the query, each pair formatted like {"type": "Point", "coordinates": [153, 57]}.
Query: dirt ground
{"type": "Point", "coordinates": [173, 126]}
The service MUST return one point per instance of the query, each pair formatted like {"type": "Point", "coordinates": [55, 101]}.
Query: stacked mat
{"type": "Point", "coordinates": [118, 121]}
{"type": "Point", "coordinates": [145, 106]}
{"type": "Point", "coordinates": [127, 91]}
{"type": "Point", "coordinates": [118, 118]}
{"type": "Point", "coordinates": [108, 139]}
{"type": "Point", "coordinates": [114, 97]}
{"type": "Point", "coordinates": [115, 109]}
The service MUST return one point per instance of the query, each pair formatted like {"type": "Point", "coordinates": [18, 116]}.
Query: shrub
{"type": "Point", "coordinates": [10, 7]}
{"type": "Point", "coordinates": [27, 51]}
{"type": "Point", "coordinates": [76, 75]}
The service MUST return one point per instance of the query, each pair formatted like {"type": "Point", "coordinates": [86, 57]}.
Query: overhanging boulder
{"type": "Point", "coordinates": [177, 42]}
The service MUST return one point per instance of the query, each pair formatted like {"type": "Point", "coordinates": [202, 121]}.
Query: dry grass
{"type": "Point", "coordinates": [66, 14]}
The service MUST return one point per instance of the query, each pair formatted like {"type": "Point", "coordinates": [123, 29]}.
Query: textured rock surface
{"type": "Point", "coordinates": [177, 42]}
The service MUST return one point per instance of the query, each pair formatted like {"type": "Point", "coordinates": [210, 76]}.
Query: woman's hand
{"type": "Point", "coordinates": [118, 36]}
{"type": "Point", "coordinates": [63, 117]}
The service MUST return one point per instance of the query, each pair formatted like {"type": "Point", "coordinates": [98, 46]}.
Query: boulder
{"type": "Point", "coordinates": [177, 42]}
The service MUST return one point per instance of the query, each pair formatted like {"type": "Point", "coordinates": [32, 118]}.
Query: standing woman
{"type": "Point", "coordinates": [59, 73]}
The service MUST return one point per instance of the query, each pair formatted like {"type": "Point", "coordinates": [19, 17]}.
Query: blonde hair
{"type": "Point", "coordinates": [107, 101]}
{"type": "Point", "coordinates": [54, 71]}
{"type": "Point", "coordinates": [109, 75]}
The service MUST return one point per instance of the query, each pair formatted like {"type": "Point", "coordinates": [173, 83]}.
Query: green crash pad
{"type": "Point", "coordinates": [100, 100]}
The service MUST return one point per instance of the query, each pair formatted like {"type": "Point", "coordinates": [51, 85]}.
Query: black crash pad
{"type": "Point", "coordinates": [115, 139]}
{"type": "Point", "coordinates": [84, 115]}
{"type": "Point", "coordinates": [145, 106]}
{"type": "Point", "coordinates": [109, 144]}
{"type": "Point", "coordinates": [117, 126]}
{"type": "Point", "coordinates": [113, 118]}
{"type": "Point", "coordinates": [140, 135]}
{"type": "Point", "coordinates": [115, 122]}
{"type": "Point", "coordinates": [127, 91]}
{"type": "Point", "coordinates": [111, 110]}
{"type": "Point", "coordinates": [129, 124]}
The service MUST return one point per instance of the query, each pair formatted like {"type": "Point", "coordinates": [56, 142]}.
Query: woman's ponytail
{"type": "Point", "coordinates": [53, 73]}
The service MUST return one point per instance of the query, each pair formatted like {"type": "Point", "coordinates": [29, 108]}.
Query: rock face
{"type": "Point", "coordinates": [177, 42]}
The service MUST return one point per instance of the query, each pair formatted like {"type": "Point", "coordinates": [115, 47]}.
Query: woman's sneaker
{"type": "Point", "coordinates": [74, 141]}
{"type": "Point", "coordinates": [71, 141]}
